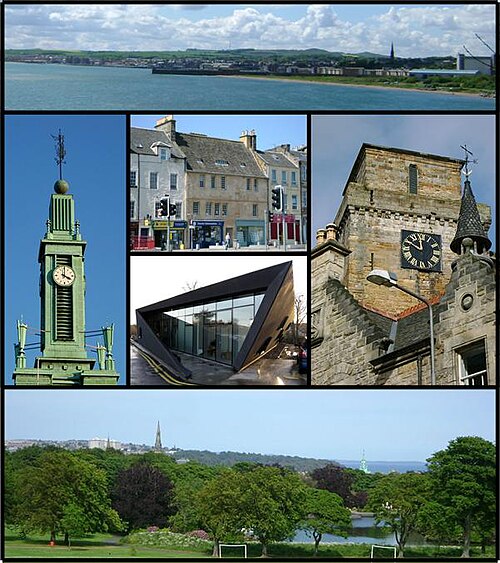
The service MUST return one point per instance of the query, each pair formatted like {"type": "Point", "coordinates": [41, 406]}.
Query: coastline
{"type": "Point", "coordinates": [375, 86]}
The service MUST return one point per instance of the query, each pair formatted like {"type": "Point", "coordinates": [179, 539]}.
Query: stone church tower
{"type": "Point", "coordinates": [398, 213]}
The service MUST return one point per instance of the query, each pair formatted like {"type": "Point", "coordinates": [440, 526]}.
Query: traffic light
{"type": "Point", "coordinates": [270, 216]}
{"type": "Point", "coordinates": [164, 207]}
{"type": "Point", "coordinates": [172, 210]}
{"type": "Point", "coordinates": [277, 197]}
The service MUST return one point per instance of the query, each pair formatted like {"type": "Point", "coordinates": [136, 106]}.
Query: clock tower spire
{"type": "Point", "coordinates": [64, 359]}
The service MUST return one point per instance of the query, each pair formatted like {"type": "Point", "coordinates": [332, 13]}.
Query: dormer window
{"type": "Point", "coordinates": [161, 150]}
{"type": "Point", "coordinates": [221, 162]}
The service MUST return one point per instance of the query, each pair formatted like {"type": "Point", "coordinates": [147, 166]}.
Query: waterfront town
{"type": "Point", "coordinates": [309, 62]}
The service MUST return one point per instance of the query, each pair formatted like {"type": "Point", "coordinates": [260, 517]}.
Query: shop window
{"type": "Point", "coordinates": [472, 365]}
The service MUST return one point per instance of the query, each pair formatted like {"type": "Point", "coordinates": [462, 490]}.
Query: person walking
{"type": "Point", "coordinates": [228, 240]}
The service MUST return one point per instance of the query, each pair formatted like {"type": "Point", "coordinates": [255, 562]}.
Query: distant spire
{"type": "Point", "coordinates": [363, 466]}
{"type": "Point", "coordinates": [158, 446]}
{"type": "Point", "coordinates": [391, 56]}
{"type": "Point", "coordinates": [469, 224]}
{"type": "Point", "coordinates": [108, 444]}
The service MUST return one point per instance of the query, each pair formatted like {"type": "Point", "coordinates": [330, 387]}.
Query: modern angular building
{"type": "Point", "coordinates": [233, 322]}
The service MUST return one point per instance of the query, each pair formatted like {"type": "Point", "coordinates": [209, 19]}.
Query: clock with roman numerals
{"type": "Point", "coordinates": [421, 251]}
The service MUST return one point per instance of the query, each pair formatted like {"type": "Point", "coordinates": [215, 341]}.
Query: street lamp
{"type": "Point", "coordinates": [389, 279]}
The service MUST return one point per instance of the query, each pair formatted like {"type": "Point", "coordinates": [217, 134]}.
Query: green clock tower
{"type": "Point", "coordinates": [63, 360]}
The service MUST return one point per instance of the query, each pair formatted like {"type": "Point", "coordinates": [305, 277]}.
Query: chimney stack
{"type": "Point", "coordinates": [249, 139]}
{"type": "Point", "coordinates": [167, 124]}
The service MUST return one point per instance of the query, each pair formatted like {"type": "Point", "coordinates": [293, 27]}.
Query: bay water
{"type": "Point", "coordinates": [65, 87]}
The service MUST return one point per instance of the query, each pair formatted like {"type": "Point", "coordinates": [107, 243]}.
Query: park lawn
{"type": "Point", "coordinates": [99, 546]}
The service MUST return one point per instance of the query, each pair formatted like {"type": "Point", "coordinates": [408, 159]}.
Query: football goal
{"type": "Point", "coordinates": [380, 552]}
{"type": "Point", "coordinates": [240, 547]}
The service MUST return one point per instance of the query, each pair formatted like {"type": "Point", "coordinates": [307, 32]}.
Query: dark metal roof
{"type": "Point", "coordinates": [240, 285]}
{"type": "Point", "coordinates": [469, 224]}
{"type": "Point", "coordinates": [202, 153]}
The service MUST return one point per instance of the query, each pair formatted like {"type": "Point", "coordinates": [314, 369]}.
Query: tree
{"type": "Point", "coordinates": [396, 500]}
{"type": "Point", "coordinates": [337, 480]}
{"type": "Point", "coordinates": [272, 504]}
{"type": "Point", "coordinates": [143, 496]}
{"type": "Point", "coordinates": [55, 488]}
{"type": "Point", "coordinates": [218, 507]}
{"type": "Point", "coordinates": [326, 514]}
{"type": "Point", "coordinates": [463, 478]}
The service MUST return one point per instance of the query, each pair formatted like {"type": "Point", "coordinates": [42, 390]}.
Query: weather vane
{"type": "Point", "coordinates": [467, 172]}
{"type": "Point", "coordinates": [60, 152]}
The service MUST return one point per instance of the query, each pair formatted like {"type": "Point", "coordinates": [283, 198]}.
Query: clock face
{"type": "Point", "coordinates": [63, 275]}
{"type": "Point", "coordinates": [420, 251]}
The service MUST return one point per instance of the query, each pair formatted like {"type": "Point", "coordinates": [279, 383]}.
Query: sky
{"type": "Point", "coordinates": [336, 140]}
{"type": "Point", "coordinates": [95, 170]}
{"type": "Point", "coordinates": [155, 278]}
{"type": "Point", "coordinates": [271, 130]}
{"type": "Point", "coordinates": [416, 30]}
{"type": "Point", "coordinates": [390, 425]}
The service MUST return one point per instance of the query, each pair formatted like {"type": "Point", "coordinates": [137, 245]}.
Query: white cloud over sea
{"type": "Point", "coordinates": [416, 30]}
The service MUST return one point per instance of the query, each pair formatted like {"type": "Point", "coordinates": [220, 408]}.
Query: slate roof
{"type": "Point", "coordinates": [469, 223]}
{"type": "Point", "coordinates": [276, 159]}
{"type": "Point", "coordinates": [142, 139]}
{"type": "Point", "coordinates": [202, 152]}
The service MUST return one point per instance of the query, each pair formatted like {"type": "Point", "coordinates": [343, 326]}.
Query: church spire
{"type": "Point", "coordinates": [158, 446]}
{"type": "Point", "coordinates": [469, 222]}
{"type": "Point", "coordinates": [363, 466]}
{"type": "Point", "coordinates": [391, 56]}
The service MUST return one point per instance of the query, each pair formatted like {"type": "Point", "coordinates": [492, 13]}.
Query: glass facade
{"type": "Point", "coordinates": [214, 330]}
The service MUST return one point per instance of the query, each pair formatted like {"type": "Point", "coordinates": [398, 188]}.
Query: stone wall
{"type": "Point", "coordinates": [467, 315]}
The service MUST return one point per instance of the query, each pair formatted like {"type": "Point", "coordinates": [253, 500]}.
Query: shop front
{"type": "Point", "coordinates": [207, 233]}
{"type": "Point", "coordinates": [292, 229]}
{"type": "Point", "coordinates": [250, 232]}
{"type": "Point", "coordinates": [177, 234]}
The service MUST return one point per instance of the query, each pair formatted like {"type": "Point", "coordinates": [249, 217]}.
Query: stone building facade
{"type": "Point", "coordinates": [365, 334]}
{"type": "Point", "coordinates": [220, 187]}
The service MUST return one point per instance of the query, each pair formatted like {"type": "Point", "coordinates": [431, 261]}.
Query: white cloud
{"type": "Point", "coordinates": [418, 30]}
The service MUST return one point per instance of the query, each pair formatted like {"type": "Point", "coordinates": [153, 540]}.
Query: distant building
{"type": "Point", "coordinates": [104, 444]}
{"type": "Point", "coordinates": [482, 65]}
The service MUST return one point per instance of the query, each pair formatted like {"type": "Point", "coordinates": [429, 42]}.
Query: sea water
{"type": "Point", "coordinates": [66, 87]}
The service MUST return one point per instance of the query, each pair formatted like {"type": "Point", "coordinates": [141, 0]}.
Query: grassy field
{"type": "Point", "coordinates": [104, 546]}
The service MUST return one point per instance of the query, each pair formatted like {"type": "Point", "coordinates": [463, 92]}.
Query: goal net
{"type": "Point", "coordinates": [383, 552]}
{"type": "Point", "coordinates": [228, 547]}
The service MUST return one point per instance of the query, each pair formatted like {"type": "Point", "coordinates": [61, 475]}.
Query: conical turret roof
{"type": "Point", "coordinates": [469, 224]}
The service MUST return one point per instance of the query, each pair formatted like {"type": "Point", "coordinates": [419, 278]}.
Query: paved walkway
{"type": "Point", "coordinates": [147, 371]}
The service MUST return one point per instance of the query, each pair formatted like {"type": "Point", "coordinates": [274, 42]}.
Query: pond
{"type": "Point", "coordinates": [363, 530]}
